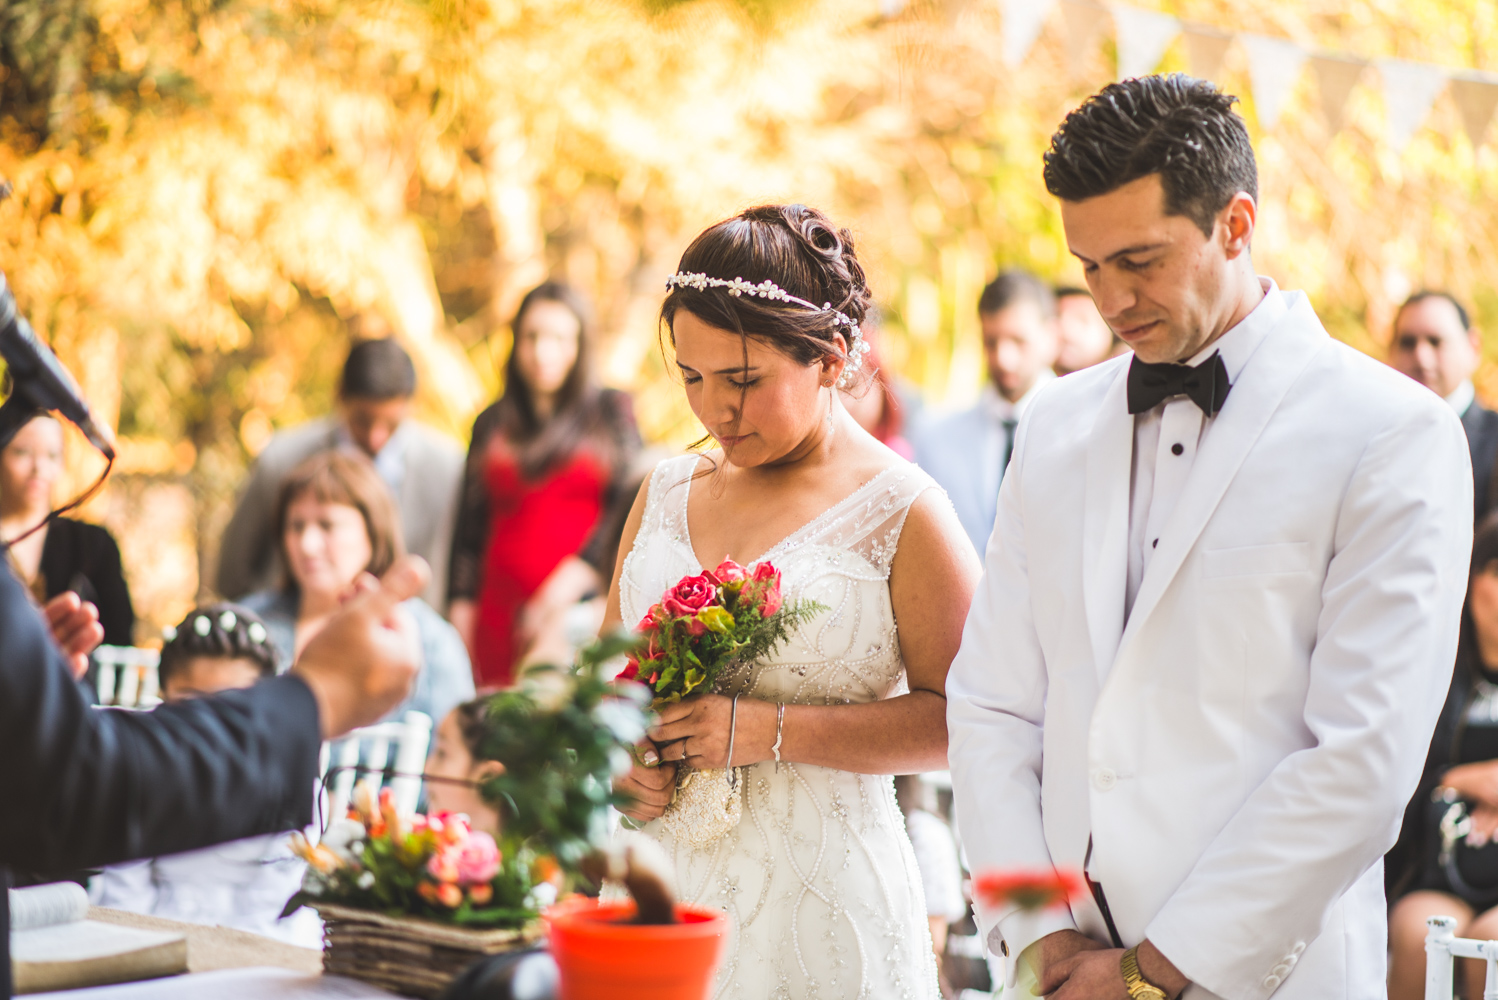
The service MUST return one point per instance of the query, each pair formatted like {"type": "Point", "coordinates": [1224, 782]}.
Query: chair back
{"type": "Point", "coordinates": [400, 745]}
{"type": "Point", "coordinates": [1442, 946]}
{"type": "Point", "coordinates": [127, 677]}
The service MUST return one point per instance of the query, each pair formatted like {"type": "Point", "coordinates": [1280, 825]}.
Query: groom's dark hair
{"type": "Point", "coordinates": [1177, 126]}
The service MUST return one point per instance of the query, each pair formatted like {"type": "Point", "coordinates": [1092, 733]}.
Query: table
{"type": "Point", "coordinates": [212, 948]}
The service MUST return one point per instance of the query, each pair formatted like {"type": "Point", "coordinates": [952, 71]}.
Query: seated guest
{"type": "Point", "coordinates": [967, 452]}
{"type": "Point", "coordinates": [334, 520]}
{"type": "Point", "coordinates": [455, 769]}
{"type": "Point", "coordinates": [421, 466]}
{"type": "Point", "coordinates": [549, 464]}
{"type": "Point", "coordinates": [243, 884]}
{"type": "Point", "coordinates": [1463, 768]}
{"type": "Point", "coordinates": [1436, 344]}
{"type": "Point", "coordinates": [1086, 338]}
{"type": "Point", "coordinates": [66, 554]}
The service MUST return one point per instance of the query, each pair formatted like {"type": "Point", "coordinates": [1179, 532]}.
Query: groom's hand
{"type": "Point", "coordinates": [1075, 967]}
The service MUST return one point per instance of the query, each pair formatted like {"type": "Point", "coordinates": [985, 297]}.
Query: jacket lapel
{"type": "Point", "coordinates": [1105, 523]}
{"type": "Point", "coordinates": [1261, 385]}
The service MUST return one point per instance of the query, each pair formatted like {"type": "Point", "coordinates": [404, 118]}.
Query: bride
{"type": "Point", "coordinates": [818, 876]}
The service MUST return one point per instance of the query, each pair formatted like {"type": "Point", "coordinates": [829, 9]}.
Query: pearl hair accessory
{"type": "Point", "coordinates": [227, 621]}
{"type": "Point", "coordinates": [257, 633]}
{"type": "Point", "coordinates": [767, 289]}
{"type": "Point", "coordinates": [201, 625]}
{"type": "Point", "coordinates": [169, 633]}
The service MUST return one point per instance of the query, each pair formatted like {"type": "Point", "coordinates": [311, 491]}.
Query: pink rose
{"type": "Point", "coordinates": [766, 571]}
{"type": "Point", "coordinates": [763, 590]}
{"type": "Point", "coordinates": [472, 860]}
{"type": "Point", "coordinates": [630, 672]}
{"type": "Point", "coordinates": [696, 628]}
{"type": "Point", "coordinates": [770, 600]}
{"type": "Point", "coordinates": [729, 574]}
{"type": "Point", "coordinates": [689, 596]}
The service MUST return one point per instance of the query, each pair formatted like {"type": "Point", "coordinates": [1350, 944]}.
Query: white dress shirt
{"type": "Point", "coordinates": [1462, 398]}
{"type": "Point", "coordinates": [1167, 438]}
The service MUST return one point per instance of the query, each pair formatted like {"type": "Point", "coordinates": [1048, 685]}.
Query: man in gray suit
{"type": "Point", "coordinates": [967, 452]}
{"type": "Point", "coordinates": [422, 467]}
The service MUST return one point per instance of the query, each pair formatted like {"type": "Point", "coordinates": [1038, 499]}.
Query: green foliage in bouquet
{"type": "Point", "coordinates": [562, 736]}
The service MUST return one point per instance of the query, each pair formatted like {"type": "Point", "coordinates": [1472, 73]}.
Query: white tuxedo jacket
{"type": "Point", "coordinates": [1241, 750]}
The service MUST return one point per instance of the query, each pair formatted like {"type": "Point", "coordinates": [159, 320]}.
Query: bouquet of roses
{"type": "Point", "coordinates": [730, 614]}
{"type": "Point", "coordinates": [431, 866]}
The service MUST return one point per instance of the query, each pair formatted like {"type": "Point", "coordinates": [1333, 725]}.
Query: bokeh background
{"type": "Point", "coordinates": [213, 196]}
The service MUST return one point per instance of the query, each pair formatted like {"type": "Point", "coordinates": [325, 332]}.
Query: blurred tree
{"type": "Point", "coordinates": [213, 196]}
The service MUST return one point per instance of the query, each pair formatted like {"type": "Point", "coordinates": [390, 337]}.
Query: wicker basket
{"type": "Point", "coordinates": [413, 957]}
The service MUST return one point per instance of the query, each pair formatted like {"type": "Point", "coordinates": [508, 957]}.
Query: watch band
{"type": "Point", "coordinates": [1139, 987]}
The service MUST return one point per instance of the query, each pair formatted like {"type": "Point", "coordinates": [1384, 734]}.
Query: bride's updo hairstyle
{"type": "Point", "coordinates": [800, 250]}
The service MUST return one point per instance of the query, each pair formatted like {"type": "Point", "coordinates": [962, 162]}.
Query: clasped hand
{"type": "Point", "coordinates": [1075, 967]}
{"type": "Point", "coordinates": [696, 732]}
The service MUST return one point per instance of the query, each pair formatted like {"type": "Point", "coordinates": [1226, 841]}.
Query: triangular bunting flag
{"type": "Point", "coordinates": [1476, 97]}
{"type": "Point", "coordinates": [1084, 22]}
{"type": "Point", "coordinates": [1023, 20]}
{"type": "Point", "coordinates": [1143, 37]}
{"type": "Point", "coordinates": [1273, 66]}
{"type": "Point", "coordinates": [1335, 78]}
{"type": "Point", "coordinates": [1205, 48]}
{"type": "Point", "coordinates": [1410, 88]}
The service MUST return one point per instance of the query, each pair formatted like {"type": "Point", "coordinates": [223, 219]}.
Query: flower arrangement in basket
{"type": "Point", "coordinates": [702, 625]}
{"type": "Point", "coordinates": [409, 902]}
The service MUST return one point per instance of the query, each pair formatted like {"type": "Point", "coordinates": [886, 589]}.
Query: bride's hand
{"type": "Point", "coordinates": [650, 787]}
{"type": "Point", "coordinates": [696, 731]}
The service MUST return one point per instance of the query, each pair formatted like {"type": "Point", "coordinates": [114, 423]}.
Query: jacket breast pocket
{"type": "Point", "coordinates": [1256, 560]}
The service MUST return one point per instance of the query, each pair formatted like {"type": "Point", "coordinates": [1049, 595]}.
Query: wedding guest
{"type": "Point", "coordinates": [1462, 768]}
{"type": "Point", "coordinates": [1437, 345]}
{"type": "Point", "coordinates": [967, 452]}
{"type": "Point", "coordinates": [335, 521]}
{"type": "Point", "coordinates": [1220, 608]}
{"type": "Point", "coordinates": [66, 554]}
{"type": "Point", "coordinates": [878, 408]}
{"type": "Point", "coordinates": [549, 463]}
{"type": "Point", "coordinates": [455, 767]}
{"type": "Point", "coordinates": [242, 884]}
{"type": "Point", "coordinates": [421, 466]}
{"type": "Point", "coordinates": [1084, 338]}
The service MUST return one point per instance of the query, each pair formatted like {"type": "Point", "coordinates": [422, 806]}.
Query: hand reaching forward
{"type": "Point", "coordinates": [75, 627]}
{"type": "Point", "coordinates": [362, 663]}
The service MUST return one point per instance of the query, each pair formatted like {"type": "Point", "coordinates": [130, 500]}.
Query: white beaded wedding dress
{"type": "Point", "coordinates": [818, 878]}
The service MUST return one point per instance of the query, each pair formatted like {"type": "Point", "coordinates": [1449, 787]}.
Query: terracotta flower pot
{"type": "Point", "coordinates": [601, 957]}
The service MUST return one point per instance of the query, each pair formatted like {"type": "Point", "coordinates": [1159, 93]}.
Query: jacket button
{"type": "Point", "coordinates": [1176, 448]}
{"type": "Point", "coordinates": [1103, 779]}
{"type": "Point", "coordinates": [1271, 982]}
{"type": "Point", "coordinates": [1282, 970]}
{"type": "Point", "coordinates": [1299, 949]}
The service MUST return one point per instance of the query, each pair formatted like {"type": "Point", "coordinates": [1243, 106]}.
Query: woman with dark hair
{"type": "Point", "coordinates": [818, 875]}
{"type": "Point", "coordinates": [1460, 786]}
{"type": "Point", "coordinates": [336, 520]}
{"type": "Point", "coordinates": [548, 463]}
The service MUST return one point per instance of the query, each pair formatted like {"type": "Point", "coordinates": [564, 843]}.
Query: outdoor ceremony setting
{"type": "Point", "coordinates": [749, 499]}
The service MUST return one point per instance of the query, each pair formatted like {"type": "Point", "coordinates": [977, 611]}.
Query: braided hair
{"type": "Point", "coordinates": [220, 631]}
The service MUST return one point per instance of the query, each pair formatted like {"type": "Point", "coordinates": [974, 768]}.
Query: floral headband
{"type": "Point", "coordinates": [767, 289]}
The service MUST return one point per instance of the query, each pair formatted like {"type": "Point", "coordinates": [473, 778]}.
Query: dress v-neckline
{"type": "Point", "coordinates": [686, 517]}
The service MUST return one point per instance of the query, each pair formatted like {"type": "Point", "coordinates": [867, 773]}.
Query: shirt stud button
{"type": "Point", "coordinates": [1155, 544]}
{"type": "Point", "coordinates": [1177, 448]}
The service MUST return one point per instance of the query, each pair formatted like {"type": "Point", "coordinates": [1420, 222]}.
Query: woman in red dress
{"type": "Point", "coordinates": [548, 466]}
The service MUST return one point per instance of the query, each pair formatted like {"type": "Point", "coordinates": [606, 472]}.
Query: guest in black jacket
{"type": "Point", "coordinates": [66, 554]}
{"type": "Point", "coordinates": [1436, 344]}
{"type": "Point", "coordinates": [84, 787]}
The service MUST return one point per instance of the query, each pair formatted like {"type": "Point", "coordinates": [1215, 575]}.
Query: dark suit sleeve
{"type": "Point", "coordinates": [471, 529]}
{"type": "Point", "coordinates": [84, 787]}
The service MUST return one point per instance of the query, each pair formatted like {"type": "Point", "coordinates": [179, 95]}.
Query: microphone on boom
{"type": "Point", "coordinates": [39, 381]}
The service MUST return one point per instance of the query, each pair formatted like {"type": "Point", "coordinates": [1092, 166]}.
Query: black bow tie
{"type": "Point", "coordinates": [1151, 384]}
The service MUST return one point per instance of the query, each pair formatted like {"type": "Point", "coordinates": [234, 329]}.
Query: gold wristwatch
{"type": "Point", "coordinates": [1139, 987]}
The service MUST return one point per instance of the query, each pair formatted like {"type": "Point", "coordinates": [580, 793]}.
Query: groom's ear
{"type": "Point", "coordinates": [1235, 224]}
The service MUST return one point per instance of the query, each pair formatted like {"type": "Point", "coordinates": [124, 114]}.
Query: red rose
{"type": "Point", "coordinates": [729, 574]}
{"type": "Point", "coordinates": [631, 671]}
{"type": "Point", "coordinates": [766, 571]}
{"type": "Point", "coordinates": [689, 596]}
{"type": "Point", "coordinates": [763, 589]}
{"type": "Point", "coordinates": [1029, 890]}
{"type": "Point", "coordinates": [770, 601]}
{"type": "Point", "coordinates": [695, 627]}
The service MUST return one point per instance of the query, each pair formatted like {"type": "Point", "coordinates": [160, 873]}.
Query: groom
{"type": "Point", "coordinates": [1219, 609]}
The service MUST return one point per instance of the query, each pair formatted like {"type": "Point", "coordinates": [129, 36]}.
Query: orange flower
{"type": "Point", "coordinates": [427, 891]}
{"type": "Point", "coordinates": [1042, 889]}
{"type": "Point", "coordinates": [546, 869]}
{"type": "Point", "coordinates": [449, 895]}
{"type": "Point", "coordinates": [480, 893]}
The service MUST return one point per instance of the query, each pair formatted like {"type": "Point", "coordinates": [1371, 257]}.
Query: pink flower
{"type": "Point", "coordinates": [630, 672]}
{"type": "Point", "coordinates": [763, 589]}
{"type": "Point", "coordinates": [766, 571]}
{"type": "Point", "coordinates": [469, 861]}
{"type": "Point", "coordinates": [690, 595]}
{"type": "Point", "coordinates": [729, 574]}
{"type": "Point", "coordinates": [696, 627]}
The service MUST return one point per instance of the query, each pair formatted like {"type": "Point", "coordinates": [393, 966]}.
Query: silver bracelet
{"type": "Point", "coordinates": [733, 725]}
{"type": "Point", "coordinates": [779, 732]}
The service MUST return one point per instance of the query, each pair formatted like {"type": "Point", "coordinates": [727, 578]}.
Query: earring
{"type": "Point", "coordinates": [828, 383]}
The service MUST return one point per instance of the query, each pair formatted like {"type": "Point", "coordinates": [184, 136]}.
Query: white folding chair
{"type": "Point", "coordinates": [128, 676]}
{"type": "Point", "coordinates": [1442, 947]}
{"type": "Point", "coordinates": [364, 753]}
